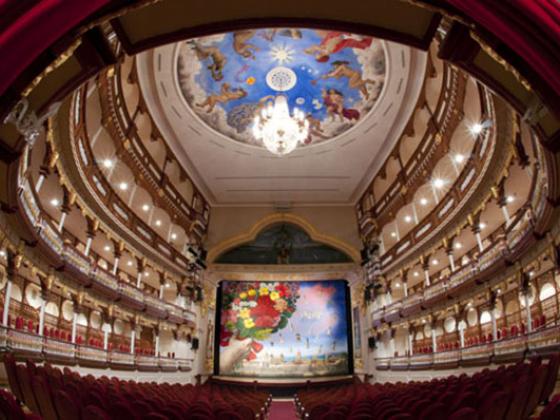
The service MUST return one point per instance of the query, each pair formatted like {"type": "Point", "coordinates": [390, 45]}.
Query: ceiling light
{"type": "Point", "coordinates": [167, 285]}
{"type": "Point", "coordinates": [458, 245]}
{"type": "Point", "coordinates": [424, 201]}
{"type": "Point", "coordinates": [415, 274]}
{"type": "Point", "coordinates": [145, 207]}
{"type": "Point", "coordinates": [158, 222]}
{"type": "Point", "coordinates": [107, 163]}
{"type": "Point", "coordinates": [438, 182]}
{"type": "Point", "coordinates": [123, 186]}
{"type": "Point", "coordinates": [476, 129]}
{"type": "Point", "coordinates": [459, 158]}
{"type": "Point", "coordinates": [510, 199]}
{"type": "Point", "coordinates": [531, 274]}
{"type": "Point", "coordinates": [55, 202]}
{"type": "Point", "coordinates": [129, 263]}
{"type": "Point", "coordinates": [146, 274]}
{"type": "Point", "coordinates": [407, 219]}
{"type": "Point", "coordinates": [482, 225]}
{"type": "Point", "coordinates": [279, 131]}
{"type": "Point", "coordinates": [394, 234]}
{"type": "Point", "coordinates": [435, 262]}
{"type": "Point", "coordinates": [398, 285]}
{"type": "Point", "coordinates": [173, 236]}
{"type": "Point", "coordinates": [2, 253]}
{"type": "Point", "coordinates": [423, 321]}
{"type": "Point", "coordinates": [107, 248]}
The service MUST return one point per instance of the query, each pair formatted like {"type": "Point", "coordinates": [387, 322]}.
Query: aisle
{"type": "Point", "coordinates": [282, 410]}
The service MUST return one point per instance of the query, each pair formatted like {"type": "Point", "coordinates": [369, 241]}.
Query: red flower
{"type": "Point", "coordinates": [283, 290]}
{"type": "Point", "coordinates": [264, 314]}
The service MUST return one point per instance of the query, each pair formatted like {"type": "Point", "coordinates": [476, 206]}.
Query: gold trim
{"type": "Point", "coordinates": [59, 61]}
{"type": "Point", "coordinates": [242, 238]}
{"type": "Point", "coordinates": [500, 60]}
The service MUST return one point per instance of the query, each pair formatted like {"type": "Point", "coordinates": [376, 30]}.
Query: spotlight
{"type": "Point", "coordinates": [158, 222]}
{"type": "Point", "coordinates": [482, 225]}
{"type": "Point", "coordinates": [123, 186]}
{"type": "Point", "coordinates": [107, 248]}
{"type": "Point", "coordinates": [510, 199]}
{"type": "Point", "coordinates": [129, 263]}
{"type": "Point", "coordinates": [435, 262]}
{"type": "Point", "coordinates": [55, 202]}
{"type": "Point", "coordinates": [415, 274]}
{"type": "Point", "coordinates": [173, 236]}
{"type": "Point", "coordinates": [438, 183]}
{"type": "Point", "coordinates": [458, 245]}
{"type": "Point", "coordinates": [145, 207]}
{"type": "Point", "coordinates": [407, 219]}
{"type": "Point", "coordinates": [476, 129]}
{"type": "Point", "coordinates": [423, 201]}
{"type": "Point", "coordinates": [459, 158]}
{"type": "Point", "coordinates": [107, 163]}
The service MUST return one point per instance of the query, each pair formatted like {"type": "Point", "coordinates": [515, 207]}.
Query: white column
{"type": "Point", "coordinates": [494, 326]}
{"type": "Point", "coordinates": [434, 341]}
{"type": "Point", "coordinates": [96, 136]}
{"type": "Point", "coordinates": [88, 246]}
{"type": "Point", "coordinates": [151, 215]}
{"type": "Point", "coordinates": [74, 326]}
{"type": "Point", "coordinates": [427, 277]}
{"type": "Point", "coordinates": [139, 279]}
{"type": "Point", "coordinates": [451, 261]}
{"type": "Point", "coordinates": [410, 345]}
{"type": "Point", "coordinates": [42, 316]}
{"type": "Point", "coordinates": [479, 241]}
{"type": "Point", "coordinates": [161, 291]}
{"type": "Point", "coordinates": [105, 340]}
{"type": "Point", "coordinates": [506, 214]}
{"type": "Point", "coordinates": [61, 223]}
{"type": "Point", "coordinates": [529, 318]}
{"type": "Point", "coordinates": [7, 302]}
{"type": "Point", "coordinates": [397, 231]}
{"type": "Point", "coordinates": [132, 340]}
{"type": "Point", "coordinates": [381, 245]}
{"type": "Point", "coordinates": [405, 288]}
{"type": "Point", "coordinates": [115, 266]}
{"type": "Point", "coordinates": [434, 192]}
{"type": "Point", "coordinates": [388, 298]}
{"type": "Point", "coordinates": [414, 213]}
{"type": "Point", "coordinates": [132, 194]}
{"type": "Point", "coordinates": [462, 334]}
{"type": "Point", "coordinates": [39, 183]}
{"type": "Point", "coordinates": [157, 345]}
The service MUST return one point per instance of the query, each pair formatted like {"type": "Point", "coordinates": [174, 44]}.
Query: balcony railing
{"type": "Point", "coordinates": [542, 341]}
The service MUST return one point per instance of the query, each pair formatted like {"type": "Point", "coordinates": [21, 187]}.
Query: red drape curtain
{"type": "Point", "coordinates": [24, 34]}
{"type": "Point", "coordinates": [531, 28]}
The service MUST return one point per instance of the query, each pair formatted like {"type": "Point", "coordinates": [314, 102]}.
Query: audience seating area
{"type": "Point", "coordinates": [65, 395]}
{"type": "Point", "coordinates": [511, 393]}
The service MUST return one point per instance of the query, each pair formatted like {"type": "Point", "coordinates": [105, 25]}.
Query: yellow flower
{"type": "Point", "coordinates": [250, 80]}
{"type": "Point", "coordinates": [243, 295]}
{"type": "Point", "coordinates": [263, 291]}
{"type": "Point", "coordinates": [245, 313]}
{"type": "Point", "coordinates": [274, 296]}
{"type": "Point", "coordinates": [249, 323]}
{"type": "Point", "coordinates": [252, 292]}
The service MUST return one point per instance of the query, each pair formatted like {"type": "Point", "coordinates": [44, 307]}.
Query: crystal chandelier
{"type": "Point", "coordinates": [279, 131]}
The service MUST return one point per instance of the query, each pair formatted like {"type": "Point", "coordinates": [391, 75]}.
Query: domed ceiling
{"type": "Point", "coordinates": [357, 92]}
{"type": "Point", "coordinates": [335, 78]}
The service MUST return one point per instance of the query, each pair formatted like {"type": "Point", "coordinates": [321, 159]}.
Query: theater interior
{"type": "Point", "coordinates": [248, 209]}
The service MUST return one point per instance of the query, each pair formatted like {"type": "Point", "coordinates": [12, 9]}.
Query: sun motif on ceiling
{"type": "Point", "coordinates": [282, 54]}
{"type": "Point", "coordinates": [334, 78]}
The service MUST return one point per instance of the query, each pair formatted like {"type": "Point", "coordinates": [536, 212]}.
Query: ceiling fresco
{"type": "Point", "coordinates": [335, 78]}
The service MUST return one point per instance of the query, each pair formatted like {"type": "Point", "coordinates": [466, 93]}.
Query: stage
{"type": "Point", "coordinates": [284, 387]}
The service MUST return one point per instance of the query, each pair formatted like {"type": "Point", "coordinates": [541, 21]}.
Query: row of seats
{"type": "Point", "coordinates": [503, 333]}
{"type": "Point", "coordinates": [65, 395]}
{"type": "Point", "coordinates": [510, 393]}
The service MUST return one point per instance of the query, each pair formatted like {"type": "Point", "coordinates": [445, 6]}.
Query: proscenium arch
{"type": "Point", "coordinates": [276, 218]}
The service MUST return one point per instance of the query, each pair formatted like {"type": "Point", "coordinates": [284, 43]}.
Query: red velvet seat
{"type": "Point", "coordinates": [465, 413]}
{"type": "Point", "coordinates": [43, 398]}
